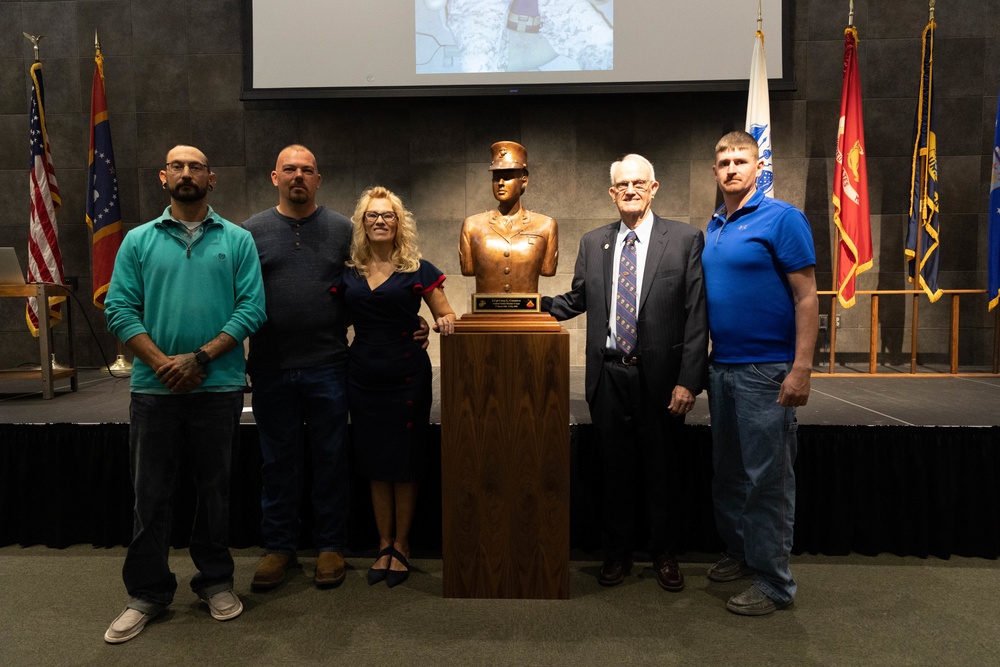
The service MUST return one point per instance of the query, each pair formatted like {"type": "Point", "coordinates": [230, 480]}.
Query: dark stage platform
{"type": "Point", "coordinates": [894, 399]}
{"type": "Point", "coordinates": [898, 464]}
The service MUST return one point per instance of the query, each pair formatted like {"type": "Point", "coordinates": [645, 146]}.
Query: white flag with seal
{"type": "Point", "coordinates": [759, 114]}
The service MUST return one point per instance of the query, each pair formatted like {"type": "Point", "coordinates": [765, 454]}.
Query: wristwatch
{"type": "Point", "coordinates": [201, 356]}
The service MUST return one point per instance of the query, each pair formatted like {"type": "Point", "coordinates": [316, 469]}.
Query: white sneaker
{"type": "Point", "coordinates": [128, 624]}
{"type": "Point", "coordinates": [224, 605]}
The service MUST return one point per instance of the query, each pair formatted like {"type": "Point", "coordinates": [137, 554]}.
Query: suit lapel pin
{"type": "Point", "coordinates": [606, 246]}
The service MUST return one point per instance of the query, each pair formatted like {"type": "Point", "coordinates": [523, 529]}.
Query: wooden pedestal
{"type": "Point", "coordinates": [505, 458]}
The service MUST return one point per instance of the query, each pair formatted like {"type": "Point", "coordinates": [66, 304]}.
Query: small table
{"type": "Point", "coordinates": [48, 374]}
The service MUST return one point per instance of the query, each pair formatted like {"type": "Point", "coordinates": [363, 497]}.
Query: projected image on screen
{"type": "Point", "coordinates": [456, 36]}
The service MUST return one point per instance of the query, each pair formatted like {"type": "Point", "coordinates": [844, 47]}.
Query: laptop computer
{"type": "Point", "coordinates": [10, 268]}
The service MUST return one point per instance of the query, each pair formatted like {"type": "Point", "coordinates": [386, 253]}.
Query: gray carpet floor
{"type": "Point", "coordinates": [56, 604]}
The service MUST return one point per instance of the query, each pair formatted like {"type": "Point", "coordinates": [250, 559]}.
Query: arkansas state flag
{"type": "Point", "coordinates": [850, 182]}
{"type": "Point", "coordinates": [103, 207]}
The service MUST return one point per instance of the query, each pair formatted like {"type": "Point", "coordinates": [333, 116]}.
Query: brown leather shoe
{"type": "Point", "coordinates": [271, 570]}
{"type": "Point", "coordinates": [668, 574]}
{"type": "Point", "coordinates": [330, 570]}
{"type": "Point", "coordinates": [613, 572]}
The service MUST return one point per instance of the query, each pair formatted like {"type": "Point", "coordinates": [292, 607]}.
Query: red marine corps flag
{"type": "Point", "coordinates": [44, 259]}
{"type": "Point", "coordinates": [850, 182]}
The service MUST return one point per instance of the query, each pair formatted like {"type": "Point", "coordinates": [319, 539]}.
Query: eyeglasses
{"type": "Point", "coordinates": [372, 216]}
{"type": "Point", "coordinates": [638, 186]}
{"type": "Point", "coordinates": [193, 167]}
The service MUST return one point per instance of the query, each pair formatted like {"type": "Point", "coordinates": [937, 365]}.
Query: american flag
{"type": "Point", "coordinates": [44, 260]}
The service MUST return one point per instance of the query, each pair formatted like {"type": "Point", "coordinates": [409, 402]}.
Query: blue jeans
{"type": "Point", "coordinates": [163, 431]}
{"type": "Point", "coordinates": [754, 446]}
{"type": "Point", "coordinates": [294, 406]}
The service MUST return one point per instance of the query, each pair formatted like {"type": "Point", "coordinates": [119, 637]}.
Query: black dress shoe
{"type": "Point", "coordinates": [613, 572]}
{"type": "Point", "coordinates": [668, 574]}
{"type": "Point", "coordinates": [375, 574]}
{"type": "Point", "coordinates": [396, 577]}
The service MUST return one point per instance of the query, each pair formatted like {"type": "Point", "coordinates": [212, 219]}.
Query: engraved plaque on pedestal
{"type": "Point", "coordinates": [506, 303]}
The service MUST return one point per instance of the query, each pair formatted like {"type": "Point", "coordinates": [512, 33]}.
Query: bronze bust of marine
{"type": "Point", "coordinates": [506, 249]}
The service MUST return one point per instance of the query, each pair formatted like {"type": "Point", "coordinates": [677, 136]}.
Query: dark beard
{"type": "Point", "coordinates": [190, 193]}
{"type": "Point", "coordinates": [297, 195]}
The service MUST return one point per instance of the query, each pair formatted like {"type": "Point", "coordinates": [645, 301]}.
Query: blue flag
{"type": "Point", "coordinates": [923, 230]}
{"type": "Point", "coordinates": [993, 260]}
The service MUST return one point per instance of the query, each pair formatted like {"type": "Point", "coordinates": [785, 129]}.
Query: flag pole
{"type": "Point", "coordinates": [53, 364]}
{"type": "Point", "coordinates": [121, 367]}
{"type": "Point", "coordinates": [836, 234]}
{"type": "Point", "coordinates": [917, 268]}
{"type": "Point", "coordinates": [850, 17]}
{"type": "Point", "coordinates": [918, 241]}
{"type": "Point", "coordinates": [831, 323]}
{"type": "Point", "coordinates": [924, 176]}
{"type": "Point", "coordinates": [914, 312]}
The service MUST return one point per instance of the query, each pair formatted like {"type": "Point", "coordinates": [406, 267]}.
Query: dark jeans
{"type": "Point", "coordinates": [164, 430]}
{"type": "Point", "coordinates": [290, 406]}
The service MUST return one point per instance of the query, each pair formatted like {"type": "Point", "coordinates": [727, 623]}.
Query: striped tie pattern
{"type": "Point", "coordinates": [625, 309]}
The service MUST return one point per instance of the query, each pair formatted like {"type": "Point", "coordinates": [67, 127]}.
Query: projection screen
{"type": "Point", "coordinates": [340, 48]}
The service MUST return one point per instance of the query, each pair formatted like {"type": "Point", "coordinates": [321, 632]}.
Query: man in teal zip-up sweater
{"type": "Point", "coordinates": [185, 292]}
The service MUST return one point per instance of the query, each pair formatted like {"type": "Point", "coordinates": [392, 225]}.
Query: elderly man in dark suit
{"type": "Point", "coordinates": [640, 282]}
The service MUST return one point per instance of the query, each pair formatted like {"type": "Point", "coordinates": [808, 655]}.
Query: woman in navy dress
{"type": "Point", "coordinates": [389, 374]}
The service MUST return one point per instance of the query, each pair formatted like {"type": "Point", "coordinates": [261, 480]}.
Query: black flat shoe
{"type": "Point", "coordinates": [396, 577]}
{"type": "Point", "coordinates": [375, 574]}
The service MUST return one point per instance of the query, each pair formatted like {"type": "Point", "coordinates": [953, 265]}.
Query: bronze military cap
{"type": "Point", "coordinates": [508, 155]}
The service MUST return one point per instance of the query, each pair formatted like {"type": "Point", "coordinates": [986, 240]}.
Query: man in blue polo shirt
{"type": "Point", "coordinates": [759, 264]}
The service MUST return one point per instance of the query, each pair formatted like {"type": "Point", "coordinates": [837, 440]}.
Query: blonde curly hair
{"type": "Point", "coordinates": [405, 253]}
